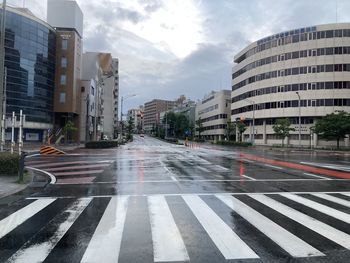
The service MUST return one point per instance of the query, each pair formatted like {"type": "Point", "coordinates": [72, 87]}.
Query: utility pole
{"type": "Point", "coordinates": [2, 63]}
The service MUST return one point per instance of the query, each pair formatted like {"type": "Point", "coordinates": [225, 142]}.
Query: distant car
{"type": "Point", "coordinates": [142, 135]}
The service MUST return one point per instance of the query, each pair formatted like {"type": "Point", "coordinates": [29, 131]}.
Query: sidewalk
{"type": "Point", "coordinates": [9, 185]}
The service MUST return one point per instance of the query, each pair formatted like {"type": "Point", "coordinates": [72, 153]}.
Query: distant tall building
{"type": "Point", "coordinates": [152, 110]}
{"type": "Point", "coordinates": [302, 71]}
{"type": "Point", "coordinates": [67, 18]}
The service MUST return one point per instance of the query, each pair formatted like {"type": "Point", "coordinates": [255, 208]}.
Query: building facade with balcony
{"type": "Point", "coordinates": [270, 75]}
{"type": "Point", "coordinates": [214, 111]}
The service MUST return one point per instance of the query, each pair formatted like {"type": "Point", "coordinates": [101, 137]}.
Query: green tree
{"type": "Point", "coordinates": [199, 128]}
{"type": "Point", "coordinates": [282, 128]}
{"type": "Point", "coordinates": [130, 128]}
{"type": "Point", "coordinates": [68, 129]}
{"type": "Point", "coordinates": [334, 126]}
{"type": "Point", "coordinates": [230, 130]}
{"type": "Point", "coordinates": [241, 127]}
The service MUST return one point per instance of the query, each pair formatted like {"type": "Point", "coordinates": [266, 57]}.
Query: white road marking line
{"type": "Point", "coordinates": [78, 167]}
{"type": "Point", "coordinates": [295, 246]}
{"type": "Point", "coordinates": [222, 168]}
{"type": "Point", "coordinates": [167, 241]}
{"type": "Point", "coordinates": [319, 227]}
{"type": "Point", "coordinates": [319, 207]}
{"type": "Point", "coordinates": [173, 178]}
{"type": "Point", "coordinates": [272, 166]}
{"type": "Point", "coordinates": [333, 199]}
{"type": "Point", "coordinates": [52, 177]}
{"type": "Point", "coordinates": [248, 161]}
{"type": "Point", "coordinates": [37, 252]}
{"type": "Point", "coordinates": [12, 221]}
{"type": "Point", "coordinates": [227, 241]}
{"type": "Point", "coordinates": [246, 176]}
{"type": "Point", "coordinates": [199, 194]}
{"type": "Point", "coordinates": [317, 176]}
{"type": "Point", "coordinates": [203, 169]}
{"type": "Point", "coordinates": [329, 166]}
{"type": "Point", "coordinates": [105, 243]}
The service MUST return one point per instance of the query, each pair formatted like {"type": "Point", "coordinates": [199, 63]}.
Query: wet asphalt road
{"type": "Point", "coordinates": [150, 201]}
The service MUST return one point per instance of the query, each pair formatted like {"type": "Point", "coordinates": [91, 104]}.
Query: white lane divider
{"type": "Point", "coordinates": [248, 177]}
{"type": "Point", "coordinates": [273, 166]}
{"type": "Point", "coordinates": [295, 246]}
{"type": "Point", "coordinates": [105, 243]}
{"type": "Point", "coordinates": [12, 221]}
{"type": "Point", "coordinates": [319, 227]}
{"type": "Point", "coordinates": [318, 176]}
{"type": "Point", "coordinates": [227, 241]}
{"type": "Point", "coordinates": [167, 241]}
{"type": "Point", "coordinates": [37, 252]}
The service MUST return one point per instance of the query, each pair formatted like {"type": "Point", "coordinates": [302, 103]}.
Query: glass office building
{"type": "Point", "coordinates": [30, 46]}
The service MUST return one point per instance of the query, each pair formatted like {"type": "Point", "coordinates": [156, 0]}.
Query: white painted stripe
{"type": "Point", "coordinates": [333, 199]}
{"type": "Point", "coordinates": [319, 227]}
{"type": "Point", "coordinates": [167, 241]}
{"type": "Point", "coordinates": [37, 252]}
{"type": "Point", "coordinates": [105, 243]}
{"type": "Point", "coordinates": [52, 177]}
{"type": "Point", "coordinates": [246, 176]}
{"type": "Point", "coordinates": [199, 194]}
{"type": "Point", "coordinates": [319, 207]}
{"type": "Point", "coordinates": [318, 176]}
{"type": "Point", "coordinates": [173, 178]}
{"type": "Point", "coordinates": [222, 168]}
{"type": "Point", "coordinates": [227, 241]}
{"type": "Point", "coordinates": [203, 169]}
{"type": "Point", "coordinates": [292, 244]}
{"type": "Point", "coordinates": [12, 221]}
{"type": "Point", "coordinates": [272, 166]}
{"type": "Point", "coordinates": [78, 167]}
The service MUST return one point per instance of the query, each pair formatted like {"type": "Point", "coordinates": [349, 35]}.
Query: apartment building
{"type": "Point", "coordinates": [67, 19]}
{"type": "Point", "coordinates": [271, 76]}
{"type": "Point", "coordinates": [152, 112]}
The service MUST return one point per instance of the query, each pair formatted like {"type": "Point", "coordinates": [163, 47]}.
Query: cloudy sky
{"type": "Point", "coordinates": [171, 47]}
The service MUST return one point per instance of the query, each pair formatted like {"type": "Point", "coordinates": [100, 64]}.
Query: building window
{"type": "Point", "coordinates": [64, 44]}
{"type": "Point", "coordinates": [63, 62]}
{"type": "Point", "coordinates": [63, 79]}
{"type": "Point", "coordinates": [62, 97]}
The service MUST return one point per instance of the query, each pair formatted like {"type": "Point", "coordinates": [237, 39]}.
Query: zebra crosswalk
{"type": "Point", "coordinates": [179, 228]}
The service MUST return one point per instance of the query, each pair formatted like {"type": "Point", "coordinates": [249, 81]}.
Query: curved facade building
{"type": "Point", "coordinates": [271, 74]}
{"type": "Point", "coordinates": [30, 47]}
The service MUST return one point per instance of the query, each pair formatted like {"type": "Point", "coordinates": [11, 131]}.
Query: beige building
{"type": "Point", "coordinates": [271, 74]}
{"type": "Point", "coordinates": [152, 110]}
{"type": "Point", "coordinates": [214, 111]}
{"type": "Point", "coordinates": [99, 96]}
{"type": "Point", "coordinates": [137, 117]}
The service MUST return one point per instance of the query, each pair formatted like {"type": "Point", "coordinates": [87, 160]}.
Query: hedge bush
{"type": "Point", "coordinates": [101, 144]}
{"type": "Point", "coordinates": [9, 164]}
{"type": "Point", "coordinates": [233, 143]}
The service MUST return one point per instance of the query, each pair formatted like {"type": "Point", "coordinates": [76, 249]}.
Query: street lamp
{"type": "Point", "coordinates": [121, 113]}
{"type": "Point", "coordinates": [299, 118]}
{"type": "Point", "coordinates": [253, 103]}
